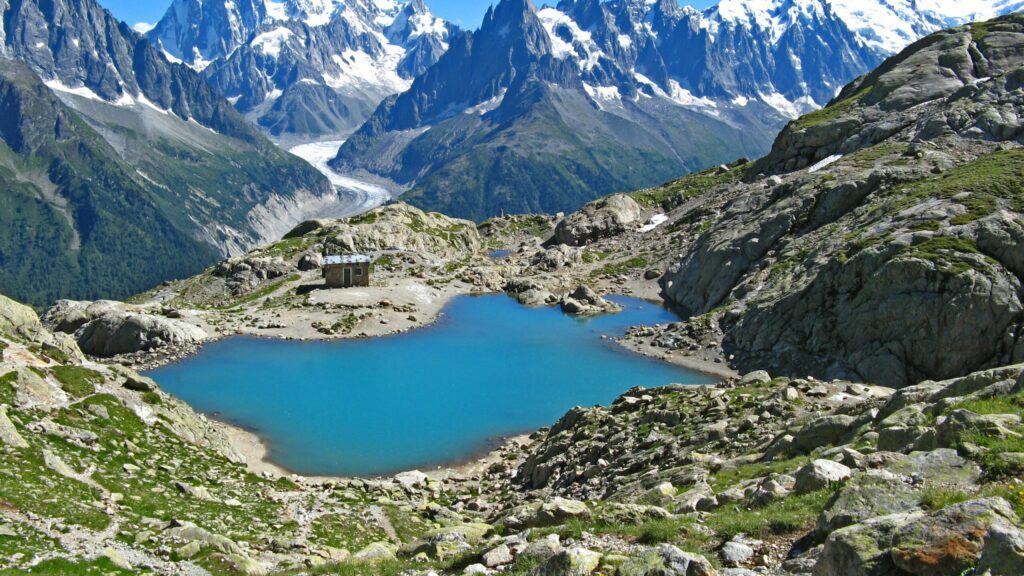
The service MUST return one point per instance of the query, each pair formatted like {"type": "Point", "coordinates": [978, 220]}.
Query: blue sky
{"type": "Point", "coordinates": [465, 13]}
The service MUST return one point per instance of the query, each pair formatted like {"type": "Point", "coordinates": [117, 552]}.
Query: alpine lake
{"type": "Point", "coordinates": [487, 369]}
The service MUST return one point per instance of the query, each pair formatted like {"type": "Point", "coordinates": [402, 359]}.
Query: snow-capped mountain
{"type": "Point", "coordinates": [304, 69]}
{"type": "Point", "coordinates": [631, 92]}
{"type": "Point", "coordinates": [124, 169]}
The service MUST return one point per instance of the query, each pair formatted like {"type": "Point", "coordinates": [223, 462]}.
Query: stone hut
{"type": "Point", "coordinates": [347, 271]}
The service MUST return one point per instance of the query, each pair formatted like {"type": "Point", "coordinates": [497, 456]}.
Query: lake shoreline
{"type": "Point", "coordinates": [258, 453]}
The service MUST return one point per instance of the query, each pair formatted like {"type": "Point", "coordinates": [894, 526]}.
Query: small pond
{"type": "Point", "coordinates": [487, 369]}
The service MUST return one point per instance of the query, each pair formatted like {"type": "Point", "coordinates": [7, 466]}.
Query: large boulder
{"type": "Point", "coordinates": [16, 318]}
{"type": "Point", "coordinates": [1003, 554]}
{"type": "Point", "coordinates": [823, 431]}
{"type": "Point", "coordinates": [108, 328]}
{"type": "Point", "coordinates": [584, 301]}
{"type": "Point", "coordinates": [551, 512]}
{"type": "Point", "coordinates": [862, 549]}
{"type": "Point", "coordinates": [20, 321]}
{"type": "Point", "coordinates": [602, 218]}
{"type": "Point", "coordinates": [950, 541]}
{"type": "Point", "coordinates": [9, 435]}
{"type": "Point", "coordinates": [868, 495]}
{"type": "Point", "coordinates": [820, 474]}
{"type": "Point", "coordinates": [125, 333]}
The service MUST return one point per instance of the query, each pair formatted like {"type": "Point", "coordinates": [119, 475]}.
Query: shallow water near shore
{"type": "Point", "coordinates": [488, 368]}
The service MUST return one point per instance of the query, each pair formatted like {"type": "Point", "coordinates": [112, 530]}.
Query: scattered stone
{"type": "Point", "coordinates": [755, 377]}
{"type": "Point", "coordinates": [497, 556]}
{"type": "Point", "coordinates": [819, 474]}
{"type": "Point", "coordinates": [571, 562]}
{"type": "Point", "coordinates": [734, 553]}
{"type": "Point", "coordinates": [411, 479]}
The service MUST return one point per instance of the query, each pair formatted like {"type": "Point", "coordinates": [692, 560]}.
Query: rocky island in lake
{"type": "Point", "coordinates": [852, 300]}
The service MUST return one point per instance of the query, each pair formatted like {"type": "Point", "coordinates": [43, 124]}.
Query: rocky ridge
{"type": "Point", "coordinates": [880, 229]}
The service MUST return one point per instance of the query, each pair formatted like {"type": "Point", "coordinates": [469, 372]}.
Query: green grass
{"type": "Point", "coordinates": [621, 267]}
{"type": "Point", "coordinates": [724, 479]}
{"type": "Point", "coordinates": [7, 392]}
{"type": "Point", "coordinates": [789, 515]}
{"type": "Point", "coordinates": [62, 567]}
{"type": "Point", "coordinates": [354, 568]}
{"type": "Point", "coordinates": [286, 247]}
{"type": "Point", "coordinates": [980, 30]}
{"type": "Point", "coordinates": [1012, 492]}
{"type": "Point", "coordinates": [832, 111]}
{"type": "Point", "coordinates": [533, 225]}
{"type": "Point", "coordinates": [947, 253]}
{"type": "Point", "coordinates": [263, 292]}
{"type": "Point", "coordinates": [933, 499]}
{"type": "Point", "coordinates": [349, 531]}
{"type": "Point", "coordinates": [997, 405]}
{"type": "Point", "coordinates": [991, 460]}
{"type": "Point", "coordinates": [691, 186]}
{"type": "Point", "coordinates": [77, 381]}
{"type": "Point", "coordinates": [385, 261]}
{"type": "Point", "coordinates": [680, 531]}
{"type": "Point", "coordinates": [992, 181]}
{"type": "Point", "coordinates": [367, 218]}
{"type": "Point", "coordinates": [29, 485]}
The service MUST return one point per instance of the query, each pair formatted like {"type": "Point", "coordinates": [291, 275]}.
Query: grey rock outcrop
{"type": "Point", "coordinates": [599, 219]}
{"type": "Point", "coordinates": [585, 301]}
{"type": "Point", "coordinates": [111, 328]}
{"type": "Point", "coordinates": [872, 254]}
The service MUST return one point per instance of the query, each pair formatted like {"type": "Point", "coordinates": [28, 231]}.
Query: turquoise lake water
{"type": "Point", "coordinates": [487, 369]}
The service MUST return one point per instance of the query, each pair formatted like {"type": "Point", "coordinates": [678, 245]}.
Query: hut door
{"type": "Point", "coordinates": [347, 276]}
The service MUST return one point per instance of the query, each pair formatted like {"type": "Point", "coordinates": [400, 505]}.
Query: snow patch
{"type": "Point", "coordinates": [654, 222]}
{"type": "Point", "coordinates": [826, 162]}
{"type": "Point", "coordinates": [81, 91]}
{"type": "Point", "coordinates": [789, 109]}
{"type": "Point", "coordinates": [270, 43]}
{"type": "Point", "coordinates": [357, 68]}
{"type": "Point", "coordinates": [553, 20]}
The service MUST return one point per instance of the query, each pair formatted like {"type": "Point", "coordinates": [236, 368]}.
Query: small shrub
{"type": "Point", "coordinates": [938, 498]}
